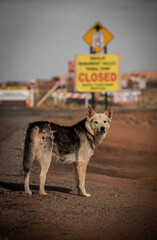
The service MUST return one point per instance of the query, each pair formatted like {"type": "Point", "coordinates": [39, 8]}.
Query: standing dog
{"type": "Point", "coordinates": [75, 144]}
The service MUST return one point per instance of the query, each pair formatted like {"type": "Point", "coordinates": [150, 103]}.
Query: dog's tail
{"type": "Point", "coordinates": [29, 151]}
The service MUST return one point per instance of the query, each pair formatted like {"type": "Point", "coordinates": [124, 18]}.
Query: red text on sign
{"type": "Point", "coordinates": [98, 77]}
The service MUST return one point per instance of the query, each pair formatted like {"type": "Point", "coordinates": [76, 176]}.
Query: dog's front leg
{"type": "Point", "coordinates": [45, 163]}
{"type": "Point", "coordinates": [80, 174]}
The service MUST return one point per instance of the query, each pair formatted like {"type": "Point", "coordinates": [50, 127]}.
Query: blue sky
{"type": "Point", "coordinates": [39, 37]}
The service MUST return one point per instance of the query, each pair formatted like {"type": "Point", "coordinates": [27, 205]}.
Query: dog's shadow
{"type": "Point", "coordinates": [19, 187]}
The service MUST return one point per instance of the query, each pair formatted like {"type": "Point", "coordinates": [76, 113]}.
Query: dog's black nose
{"type": "Point", "coordinates": [102, 129]}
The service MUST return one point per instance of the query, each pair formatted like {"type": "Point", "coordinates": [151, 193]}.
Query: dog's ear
{"type": "Point", "coordinates": [90, 112]}
{"type": "Point", "coordinates": [109, 113]}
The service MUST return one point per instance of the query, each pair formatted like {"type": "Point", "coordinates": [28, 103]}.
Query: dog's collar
{"type": "Point", "coordinates": [90, 133]}
{"type": "Point", "coordinates": [91, 139]}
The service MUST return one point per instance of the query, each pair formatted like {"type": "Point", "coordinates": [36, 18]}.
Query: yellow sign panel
{"type": "Point", "coordinates": [98, 37]}
{"type": "Point", "coordinates": [97, 73]}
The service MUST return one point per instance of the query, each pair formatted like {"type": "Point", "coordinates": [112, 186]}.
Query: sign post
{"type": "Point", "coordinates": [105, 96]}
{"type": "Point", "coordinates": [98, 37]}
{"type": "Point", "coordinates": [93, 95]}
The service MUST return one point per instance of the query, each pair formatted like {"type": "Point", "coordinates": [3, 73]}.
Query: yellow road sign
{"type": "Point", "coordinates": [98, 37]}
{"type": "Point", "coordinates": [97, 73]}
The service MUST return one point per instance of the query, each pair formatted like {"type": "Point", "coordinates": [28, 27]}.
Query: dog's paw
{"type": "Point", "coordinates": [83, 194]}
{"type": "Point", "coordinates": [42, 193]}
{"type": "Point", "coordinates": [86, 195]}
{"type": "Point", "coordinates": [29, 192]}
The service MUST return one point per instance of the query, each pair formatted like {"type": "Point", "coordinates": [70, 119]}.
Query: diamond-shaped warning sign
{"type": "Point", "coordinates": [98, 37]}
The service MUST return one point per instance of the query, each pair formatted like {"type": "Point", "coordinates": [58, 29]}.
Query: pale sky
{"type": "Point", "coordinates": [39, 37]}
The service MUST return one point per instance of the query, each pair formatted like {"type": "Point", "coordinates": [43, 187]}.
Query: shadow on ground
{"type": "Point", "coordinates": [19, 187]}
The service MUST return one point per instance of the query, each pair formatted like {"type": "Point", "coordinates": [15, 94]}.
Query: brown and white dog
{"type": "Point", "coordinates": [75, 144]}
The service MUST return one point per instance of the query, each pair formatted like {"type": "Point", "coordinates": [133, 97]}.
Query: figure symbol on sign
{"type": "Point", "coordinates": [98, 39]}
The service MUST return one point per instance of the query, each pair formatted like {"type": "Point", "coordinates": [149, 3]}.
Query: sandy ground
{"type": "Point", "coordinates": [121, 178]}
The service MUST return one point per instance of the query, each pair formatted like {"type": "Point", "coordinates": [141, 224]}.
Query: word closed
{"type": "Point", "coordinates": [98, 77]}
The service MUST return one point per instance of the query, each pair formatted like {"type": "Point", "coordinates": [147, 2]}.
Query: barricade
{"type": "Point", "coordinates": [70, 95]}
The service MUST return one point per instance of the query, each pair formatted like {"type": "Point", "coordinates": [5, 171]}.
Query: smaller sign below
{"type": "Point", "coordinates": [71, 66]}
{"type": "Point", "coordinates": [97, 73]}
{"type": "Point", "coordinates": [126, 96]}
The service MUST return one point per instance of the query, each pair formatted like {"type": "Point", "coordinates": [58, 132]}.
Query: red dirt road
{"type": "Point", "coordinates": [121, 177]}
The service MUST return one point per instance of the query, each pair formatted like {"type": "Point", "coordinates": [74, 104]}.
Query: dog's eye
{"type": "Point", "coordinates": [105, 121]}
{"type": "Point", "coordinates": [96, 122]}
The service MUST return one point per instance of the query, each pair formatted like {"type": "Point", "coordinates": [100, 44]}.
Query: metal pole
{"type": "Point", "coordinates": [106, 101]}
{"type": "Point", "coordinates": [93, 95]}
{"type": "Point", "coordinates": [106, 96]}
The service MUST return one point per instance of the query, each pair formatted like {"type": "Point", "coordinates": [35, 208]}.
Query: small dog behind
{"type": "Point", "coordinates": [75, 144]}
